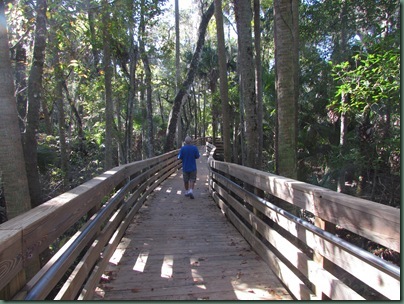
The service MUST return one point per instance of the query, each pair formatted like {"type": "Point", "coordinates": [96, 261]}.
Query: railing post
{"type": "Point", "coordinates": [317, 257]}
{"type": "Point", "coordinates": [15, 285]}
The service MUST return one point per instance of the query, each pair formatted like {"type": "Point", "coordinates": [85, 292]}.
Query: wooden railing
{"type": "Point", "coordinates": [313, 263]}
{"type": "Point", "coordinates": [217, 149]}
{"type": "Point", "coordinates": [100, 209]}
{"type": "Point", "coordinates": [308, 257]}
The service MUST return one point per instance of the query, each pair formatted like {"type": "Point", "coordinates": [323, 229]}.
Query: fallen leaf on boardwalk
{"type": "Point", "coordinates": [251, 291]}
{"type": "Point", "coordinates": [238, 275]}
{"type": "Point", "coordinates": [135, 290]}
{"type": "Point", "coordinates": [244, 262]}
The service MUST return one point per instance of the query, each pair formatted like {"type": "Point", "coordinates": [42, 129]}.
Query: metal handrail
{"type": "Point", "coordinates": [394, 270]}
{"type": "Point", "coordinates": [38, 288]}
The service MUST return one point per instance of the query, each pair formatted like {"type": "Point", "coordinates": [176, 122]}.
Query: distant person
{"type": "Point", "coordinates": [188, 154]}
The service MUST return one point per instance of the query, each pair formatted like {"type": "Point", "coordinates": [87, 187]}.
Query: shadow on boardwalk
{"type": "Point", "coordinates": [177, 248]}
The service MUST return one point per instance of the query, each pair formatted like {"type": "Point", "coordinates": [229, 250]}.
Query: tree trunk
{"type": "Point", "coordinates": [79, 123]}
{"type": "Point", "coordinates": [148, 79]}
{"type": "Point", "coordinates": [59, 78]}
{"type": "Point", "coordinates": [133, 57]}
{"type": "Point", "coordinates": [34, 102]}
{"type": "Point", "coordinates": [172, 124]}
{"type": "Point", "coordinates": [344, 100]}
{"type": "Point", "coordinates": [13, 177]}
{"type": "Point", "coordinates": [243, 12]}
{"type": "Point", "coordinates": [94, 49]}
{"type": "Point", "coordinates": [223, 81]}
{"type": "Point", "coordinates": [177, 69]}
{"type": "Point", "coordinates": [109, 107]}
{"type": "Point", "coordinates": [241, 141]}
{"type": "Point", "coordinates": [258, 80]}
{"type": "Point", "coordinates": [285, 61]}
{"type": "Point", "coordinates": [21, 83]}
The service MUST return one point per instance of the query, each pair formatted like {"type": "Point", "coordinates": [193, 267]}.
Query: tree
{"type": "Point", "coordinates": [177, 67]}
{"type": "Point", "coordinates": [258, 77]}
{"type": "Point", "coordinates": [13, 176]}
{"type": "Point", "coordinates": [35, 95]}
{"type": "Point", "coordinates": [58, 93]}
{"type": "Point", "coordinates": [172, 124]}
{"type": "Point", "coordinates": [148, 80]}
{"type": "Point", "coordinates": [109, 106]}
{"type": "Point", "coordinates": [221, 50]}
{"type": "Point", "coordinates": [372, 81]}
{"type": "Point", "coordinates": [246, 71]}
{"type": "Point", "coordinates": [285, 62]}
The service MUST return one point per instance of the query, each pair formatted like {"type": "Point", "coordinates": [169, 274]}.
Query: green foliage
{"type": "Point", "coordinates": [367, 70]}
{"type": "Point", "coordinates": [370, 79]}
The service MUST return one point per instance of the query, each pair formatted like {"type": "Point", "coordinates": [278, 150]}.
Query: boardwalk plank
{"type": "Point", "coordinates": [177, 248]}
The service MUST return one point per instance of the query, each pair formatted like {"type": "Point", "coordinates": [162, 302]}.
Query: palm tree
{"type": "Point", "coordinates": [285, 65]}
{"type": "Point", "coordinates": [34, 101]}
{"type": "Point", "coordinates": [246, 70]}
{"type": "Point", "coordinates": [221, 51]}
{"type": "Point", "coordinates": [13, 176]}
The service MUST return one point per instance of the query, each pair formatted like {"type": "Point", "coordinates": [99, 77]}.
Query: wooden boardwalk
{"type": "Point", "coordinates": [177, 248]}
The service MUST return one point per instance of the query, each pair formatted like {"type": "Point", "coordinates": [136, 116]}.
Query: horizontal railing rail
{"type": "Point", "coordinates": [102, 208]}
{"type": "Point", "coordinates": [309, 258]}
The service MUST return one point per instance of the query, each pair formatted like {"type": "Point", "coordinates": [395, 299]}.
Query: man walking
{"type": "Point", "coordinates": [188, 154]}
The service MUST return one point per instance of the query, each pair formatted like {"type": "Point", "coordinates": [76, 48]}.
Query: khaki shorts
{"type": "Point", "coordinates": [189, 176]}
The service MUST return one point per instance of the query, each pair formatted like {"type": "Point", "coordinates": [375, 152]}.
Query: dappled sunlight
{"type": "Point", "coordinates": [197, 278]}
{"type": "Point", "coordinates": [141, 261]}
{"type": "Point", "coordinates": [61, 199]}
{"type": "Point", "coordinates": [119, 252]}
{"type": "Point", "coordinates": [167, 267]}
{"type": "Point", "coordinates": [184, 250]}
{"type": "Point", "coordinates": [244, 291]}
{"type": "Point", "coordinates": [106, 174]}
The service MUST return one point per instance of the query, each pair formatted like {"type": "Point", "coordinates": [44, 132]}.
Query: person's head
{"type": "Point", "coordinates": [188, 140]}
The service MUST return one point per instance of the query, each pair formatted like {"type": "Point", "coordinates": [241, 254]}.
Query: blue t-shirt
{"type": "Point", "coordinates": [188, 154]}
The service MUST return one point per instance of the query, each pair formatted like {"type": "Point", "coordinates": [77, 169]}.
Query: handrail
{"type": "Point", "coordinates": [264, 225]}
{"type": "Point", "coordinates": [42, 283]}
{"type": "Point", "coordinates": [23, 238]}
{"type": "Point", "coordinates": [316, 270]}
{"type": "Point", "coordinates": [376, 261]}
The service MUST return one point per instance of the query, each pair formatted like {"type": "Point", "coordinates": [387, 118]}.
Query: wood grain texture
{"type": "Point", "coordinates": [177, 248]}
{"type": "Point", "coordinates": [377, 222]}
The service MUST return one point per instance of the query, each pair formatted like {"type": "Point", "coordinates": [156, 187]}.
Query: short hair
{"type": "Point", "coordinates": [188, 140]}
